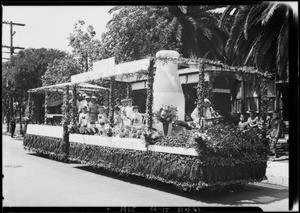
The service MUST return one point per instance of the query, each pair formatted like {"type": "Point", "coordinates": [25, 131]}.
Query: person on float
{"type": "Point", "coordinates": [252, 120]}
{"type": "Point", "coordinates": [105, 107]}
{"type": "Point", "coordinates": [137, 119]}
{"type": "Point", "coordinates": [129, 109]}
{"type": "Point", "coordinates": [83, 117]}
{"type": "Point", "coordinates": [118, 121]}
{"type": "Point", "coordinates": [275, 132]}
{"type": "Point", "coordinates": [118, 103]}
{"type": "Point", "coordinates": [124, 103]}
{"type": "Point", "coordinates": [85, 102]}
{"type": "Point", "coordinates": [243, 122]}
{"type": "Point", "coordinates": [208, 113]}
{"type": "Point", "coordinates": [102, 120]}
{"type": "Point", "coordinates": [93, 109]}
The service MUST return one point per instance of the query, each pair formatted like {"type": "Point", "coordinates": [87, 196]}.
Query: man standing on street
{"type": "Point", "coordinates": [12, 127]}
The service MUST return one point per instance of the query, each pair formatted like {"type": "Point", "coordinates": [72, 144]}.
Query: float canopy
{"type": "Point", "coordinates": [59, 87]}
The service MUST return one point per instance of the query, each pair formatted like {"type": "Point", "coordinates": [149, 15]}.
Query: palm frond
{"type": "Point", "coordinates": [225, 14]}
{"type": "Point", "coordinates": [268, 13]}
{"type": "Point", "coordinates": [116, 8]}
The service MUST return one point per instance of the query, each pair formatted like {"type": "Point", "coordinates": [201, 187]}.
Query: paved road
{"type": "Point", "coordinates": [30, 180]}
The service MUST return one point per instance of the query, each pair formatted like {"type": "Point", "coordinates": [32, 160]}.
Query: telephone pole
{"type": "Point", "coordinates": [12, 49]}
{"type": "Point", "coordinates": [12, 33]}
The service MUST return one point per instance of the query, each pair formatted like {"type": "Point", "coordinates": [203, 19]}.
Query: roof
{"type": "Point", "coordinates": [59, 87]}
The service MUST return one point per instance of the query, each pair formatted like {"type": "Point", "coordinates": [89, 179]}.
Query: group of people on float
{"type": "Point", "coordinates": [92, 114]}
{"type": "Point", "coordinates": [273, 124]}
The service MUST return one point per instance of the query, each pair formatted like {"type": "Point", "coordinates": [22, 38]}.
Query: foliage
{"type": "Point", "coordinates": [139, 31]}
{"type": "Point", "coordinates": [53, 147]}
{"type": "Point", "coordinates": [61, 70]}
{"type": "Point", "coordinates": [185, 172]}
{"type": "Point", "coordinates": [166, 114]}
{"type": "Point", "coordinates": [263, 39]}
{"type": "Point", "coordinates": [149, 102]}
{"type": "Point", "coordinates": [85, 47]}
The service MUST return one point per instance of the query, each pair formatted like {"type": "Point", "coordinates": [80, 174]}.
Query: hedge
{"type": "Point", "coordinates": [185, 172]}
{"type": "Point", "coordinates": [49, 146]}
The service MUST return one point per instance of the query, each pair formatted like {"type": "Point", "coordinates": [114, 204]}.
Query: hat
{"type": "Point", "coordinates": [123, 100]}
{"type": "Point", "coordinates": [117, 99]}
{"type": "Point", "coordinates": [94, 97]}
{"type": "Point", "coordinates": [83, 94]}
{"type": "Point", "coordinates": [206, 100]}
{"type": "Point", "coordinates": [129, 99]}
{"type": "Point", "coordinates": [87, 97]}
{"type": "Point", "coordinates": [135, 107]}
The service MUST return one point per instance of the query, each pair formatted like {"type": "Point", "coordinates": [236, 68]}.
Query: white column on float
{"type": "Point", "coordinates": [167, 88]}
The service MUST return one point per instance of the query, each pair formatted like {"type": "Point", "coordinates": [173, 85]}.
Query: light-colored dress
{"type": "Point", "coordinates": [83, 119]}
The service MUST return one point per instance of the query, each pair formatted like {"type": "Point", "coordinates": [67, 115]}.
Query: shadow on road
{"type": "Point", "coordinates": [234, 195]}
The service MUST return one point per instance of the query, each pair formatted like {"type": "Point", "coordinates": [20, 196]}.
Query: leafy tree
{"type": "Point", "coordinates": [138, 31]}
{"type": "Point", "coordinates": [61, 70]}
{"type": "Point", "coordinates": [24, 72]}
{"type": "Point", "coordinates": [259, 36]}
{"type": "Point", "coordinates": [85, 47]}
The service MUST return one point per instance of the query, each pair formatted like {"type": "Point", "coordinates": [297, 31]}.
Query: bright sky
{"type": "Point", "coordinates": [49, 26]}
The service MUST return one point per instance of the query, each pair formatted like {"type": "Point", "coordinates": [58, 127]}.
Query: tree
{"type": "Point", "coordinates": [138, 31]}
{"type": "Point", "coordinates": [61, 70]}
{"type": "Point", "coordinates": [85, 47]}
{"type": "Point", "coordinates": [259, 36]}
{"type": "Point", "coordinates": [23, 72]}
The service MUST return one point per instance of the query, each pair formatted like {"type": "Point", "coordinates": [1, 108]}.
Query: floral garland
{"type": "Point", "coordinates": [149, 103]}
{"type": "Point", "coordinates": [46, 106]}
{"type": "Point", "coordinates": [29, 106]}
{"type": "Point", "coordinates": [66, 119]}
{"type": "Point", "coordinates": [111, 100]}
{"type": "Point", "coordinates": [199, 61]}
{"type": "Point", "coordinates": [200, 91]}
{"type": "Point", "coordinates": [166, 114]}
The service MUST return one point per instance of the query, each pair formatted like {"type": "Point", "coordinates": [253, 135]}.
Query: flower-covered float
{"type": "Point", "coordinates": [165, 148]}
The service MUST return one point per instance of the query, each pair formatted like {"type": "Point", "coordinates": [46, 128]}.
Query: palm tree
{"type": "Point", "coordinates": [258, 36]}
{"type": "Point", "coordinates": [199, 31]}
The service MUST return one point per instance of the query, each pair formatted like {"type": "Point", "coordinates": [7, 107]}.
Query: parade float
{"type": "Point", "coordinates": [189, 158]}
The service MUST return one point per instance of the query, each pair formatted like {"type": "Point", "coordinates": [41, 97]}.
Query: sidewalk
{"type": "Point", "coordinates": [277, 171]}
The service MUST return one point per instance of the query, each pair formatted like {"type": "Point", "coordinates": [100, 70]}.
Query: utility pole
{"type": "Point", "coordinates": [12, 48]}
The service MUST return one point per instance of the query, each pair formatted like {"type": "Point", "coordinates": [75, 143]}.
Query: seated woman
{"type": "Point", "coordinates": [243, 122]}
{"type": "Point", "coordinates": [252, 120]}
{"type": "Point", "coordinates": [118, 121]}
{"type": "Point", "coordinates": [137, 119]}
{"type": "Point", "coordinates": [102, 120]}
{"type": "Point", "coordinates": [208, 113]}
{"type": "Point", "coordinates": [83, 117]}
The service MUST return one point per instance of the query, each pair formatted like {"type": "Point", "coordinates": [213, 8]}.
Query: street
{"type": "Point", "coordinates": [31, 180]}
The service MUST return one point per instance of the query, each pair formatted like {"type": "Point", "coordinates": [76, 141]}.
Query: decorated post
{"type": "Point", "coordinates": [200, 94]}
{"type": "Point", "coordinates": [74, 110]}
{"type": "Point", "coordinates": [65, 121]}
{"type": "Point", "coordinates": [149, 110]}
{"type": "Point", "coordinates": [111, 100]}
{"type": "Point", "coordinates": [46, 106]}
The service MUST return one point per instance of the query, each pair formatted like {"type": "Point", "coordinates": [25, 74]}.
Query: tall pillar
{"type": "Point", "coordinates": [167, 89]}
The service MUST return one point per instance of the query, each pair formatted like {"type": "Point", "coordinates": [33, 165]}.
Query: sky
{"type": "Point", "coordinates": [50, 26]}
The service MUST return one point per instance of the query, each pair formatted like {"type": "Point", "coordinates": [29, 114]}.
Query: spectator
{"type": "Point", "coordinates": [12, 126]}
{"type": "Point", "coordinates": [243, 122]}
{"type": "Point", "coordinates": [83, 117]}
{"type": "Point", "coordinates": [252, 120]}
{"type": "Point", "coordinates": [275, 132]}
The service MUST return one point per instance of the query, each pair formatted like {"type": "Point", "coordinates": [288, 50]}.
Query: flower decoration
{"type": "Point", "coordinates": [167, 113]}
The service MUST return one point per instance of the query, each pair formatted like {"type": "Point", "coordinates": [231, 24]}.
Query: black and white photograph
{"type": "Point", "coordinates": [156, 106]}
